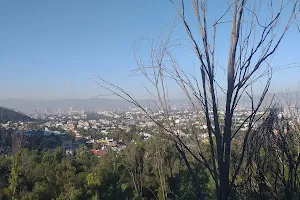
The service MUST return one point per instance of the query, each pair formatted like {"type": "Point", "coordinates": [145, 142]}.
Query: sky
{"type": "Point", "coordinates": [52, 49]}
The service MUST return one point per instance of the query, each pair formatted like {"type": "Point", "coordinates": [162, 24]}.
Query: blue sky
{"type": "Point", "coordinates": [50, 49]}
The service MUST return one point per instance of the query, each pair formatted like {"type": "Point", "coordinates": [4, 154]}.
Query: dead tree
{"type": "Point", "coordinates": [273, 159]}
{"type": "Point", "coordinates": [254, 38]}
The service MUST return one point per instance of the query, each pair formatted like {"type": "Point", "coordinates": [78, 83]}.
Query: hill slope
{"type": "Point", "coordinates": [11, 115]}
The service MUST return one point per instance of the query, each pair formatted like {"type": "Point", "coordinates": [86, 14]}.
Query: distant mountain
{"type": "Point", "coordinates": [11, 115]}
{"type": "Point", "coordinates": [93, 104]}
{"type": "Point", "coordinates": [64, 104]}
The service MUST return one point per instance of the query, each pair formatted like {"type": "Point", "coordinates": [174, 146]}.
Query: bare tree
{"type": "Point", "coordinates": [254, 38]}
{"type": "Point", "coordinates": [273, 159]}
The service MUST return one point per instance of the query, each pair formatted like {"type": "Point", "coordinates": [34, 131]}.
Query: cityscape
{"type": "Point", "coordinates": [105, 130]}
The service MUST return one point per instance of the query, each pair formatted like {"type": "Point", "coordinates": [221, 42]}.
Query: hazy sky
{"type": "Point", "coordinates": [50, 49]}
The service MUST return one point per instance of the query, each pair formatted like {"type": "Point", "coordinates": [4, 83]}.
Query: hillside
{"type": "Point", "coordinates": [11, 115]}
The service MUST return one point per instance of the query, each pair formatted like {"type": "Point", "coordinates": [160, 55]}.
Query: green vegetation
{"type": "Point", "coordinates": [145, 170]}
{"type": "Point", "coordinates": [96, 116]}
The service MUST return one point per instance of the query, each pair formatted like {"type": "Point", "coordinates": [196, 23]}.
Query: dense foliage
{"type": "Point", "coordinates": [145, 170]}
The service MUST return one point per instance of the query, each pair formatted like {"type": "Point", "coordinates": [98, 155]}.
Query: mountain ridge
{"type": "Point", "coordinates": [92, 104]}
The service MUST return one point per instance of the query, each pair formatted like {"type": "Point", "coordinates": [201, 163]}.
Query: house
{"type": "Point", "coordinates": [99, 152]}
